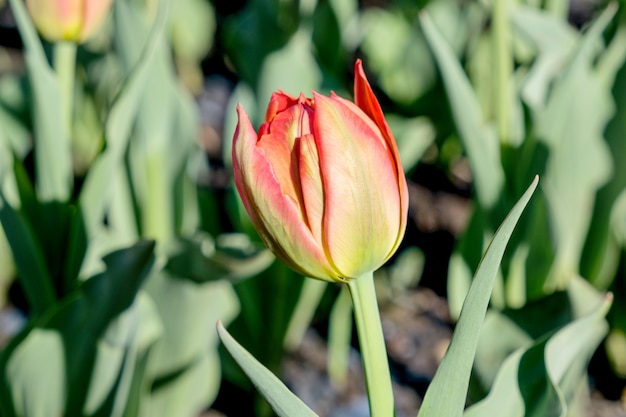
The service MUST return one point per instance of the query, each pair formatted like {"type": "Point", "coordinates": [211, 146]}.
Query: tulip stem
{"type": "Point", "coordinates": [65, 67]}
{"type": "Point", "coordinates": [372, 343]}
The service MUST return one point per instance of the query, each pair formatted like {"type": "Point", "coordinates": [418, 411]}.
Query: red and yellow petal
{"type": "Point", "coordinates": [276, 214]}
{"type": "Point", "coordinates": [361, 188]}
{"type": "Point", "coordinates": [365, 99]}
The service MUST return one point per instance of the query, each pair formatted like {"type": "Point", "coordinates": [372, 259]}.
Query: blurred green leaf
{"type": "Point", "coordinates": [58, 230]}
{"type": "Point", "coordinates": [185, 365]}
{"type": "Point", "coordinates": [36, 371]}
{"type": "Point", "coordinates": [164, 136]}
{"type": "Point", "coordinates": [541, 380]}
{"type": "Point", "coordinates": [479, 140]}
{"type": "Point", "coordinates": [262, 323]}
{"type": "Point", "coordinates": [600, 257]}
{"type": "Point", "coordinates": [120, 360]}
{"type": "Point", "coordinates": [52, 143]}
{"type": "Point", "coordinates": [283, 401]}
{"type": "Point", "coordinates": [340, 324]}
{"type": "Point", "coordinates": [447, 392]}
{"type": "Point", "coordinates": [292, 69]}
{"type": "Point", "coordinates": [29, 259]}
{"type": "Point", "coordinates": [572, 126]}
{"type": "Point", "coordinates": [499, 337]}
{"type": "Point", "coordinates": [192, 28]}
{"type": "Point", "coordinates": [397, 54]}
{"type": "Point", "coordinates": [326, 37]}
{"type": "Point", "coordinates": [13, 115]}
{"type": "Point", "coordinates": [310, 297]}
{"type": "Point", "coordinates": [81, 320]}
{"type": "Point", "coordinates": [96, 192]}
{"type": "Point", "coordinates": [202, 258]}
{"type": "Point", "coordinates": [262, 27]}
{"type": "Point", "coordinates": [553, 39]}
{"type": "Point", "coordinates": [414, 136]}
{"type": "Point", "coordinates": [510, 329]}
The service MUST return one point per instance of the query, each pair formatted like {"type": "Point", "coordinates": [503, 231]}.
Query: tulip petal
{"type": "Point", "coordinates": [94, 13]}
{"type": "Point", "coordinates": [311, 185]}
{"type": "Point", "coordinates": [279, 102]}
{"type": "Point", "coordinates": [271, 200]}
{"type": "Point", "coordinates": [56, 20]}
{"type": "Point", "coordinates": [362, 199]}
{"type": "Point", "coordinates": [365, 99]}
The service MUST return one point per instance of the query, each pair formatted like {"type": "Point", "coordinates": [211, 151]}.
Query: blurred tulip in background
{"type": "Point", "coordinates": [68, 20]}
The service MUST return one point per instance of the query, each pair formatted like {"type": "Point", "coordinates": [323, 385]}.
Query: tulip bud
{"type": "Point", "coordinates": [322, 182]}
{"type": "Point", "coordinates": [68, 20]}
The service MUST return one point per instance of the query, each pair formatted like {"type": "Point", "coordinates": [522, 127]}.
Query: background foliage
{"type": "Point", "coordinates": [123, 241]}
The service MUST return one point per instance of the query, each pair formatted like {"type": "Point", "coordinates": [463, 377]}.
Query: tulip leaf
{"type": "Point", "coordinates": [414, 136]}
{"type": "Point", "coordinates": [600, 257]}
{"type": "Point", "coordinates": [572, 126]}
{"type": "Point", "coordinates": [96, 192]}
{"type": "Point", "coordinates": [448, 390]}
{"type": "Point", "coordinates": [36, 373]}
{"type": "Point", "coordinates": [52, 144]}
{"type": "Point", "coordinates": [480, 142]}
{"type": "Point", "coordinates": [29, 258]}
{"type": "Point", "coordinates": [340, 324]}
{"type": "Point", "coordinates": [14, 135]}
{"type": "Point", "coordinates": [85, 318]}
{"type": "Point", "coordinates": [292, 69]}
{"type": "Point", "coordinates": [120, 360]}
{"type": "Point", "coordinates": [554, 40]}
{"type": "Point", "coordinates": [309, 300]}
{"type": "Point", "coordinates": [283, 401]}
{"type": "Point", "coordinates": [184, 365]}
{"type": "Point", "coordinates": [164, 134]}
{"type": "Point", "coordinates": [397, 54]}
{"type": "Point", "coordinates": [230, 256]}
{"type": "Point", "coordinates": [192, 28]}
{"type": "Point", "coordinates": [541, 380]}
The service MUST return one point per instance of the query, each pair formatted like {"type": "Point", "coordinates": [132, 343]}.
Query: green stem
{"type": "Point", "coordinates": [65, 67]}
{"type": "Point", "coordinates": [559, 8]}
{"type": "Point", "coordinates": [372, 342]}
{"type": "Point", "coordinates": [504, 67]}
{"type": "Point", "coordinates": [158, 209]}
{"type": "Point", "coordinates": [310, 296]}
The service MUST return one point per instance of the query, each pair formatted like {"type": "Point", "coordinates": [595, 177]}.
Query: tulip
{"type": "Point", "coordinates": [68, 20]}
{"type": "Point", "coordinates": [322, 182]}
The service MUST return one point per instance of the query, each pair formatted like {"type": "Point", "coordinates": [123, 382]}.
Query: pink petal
{"type": "Point", "coordinates": [311, 184]}
{"type": "Point", "coordinates": [266, 185]}
{"type": "Point", "coordinates": [366, 100]}
{"type": "Point", "coordinates": [278, 103]}
{"type": "Point", "coordinates": [362, 200]}
{"type": "Point", "coordinates": [94, 13]}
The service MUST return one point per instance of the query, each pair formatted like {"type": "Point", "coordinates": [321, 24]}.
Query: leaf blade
{"type": "Point", "coordinates": [446, 393]}
{"type": "Point", "coordinates": [283, 401]}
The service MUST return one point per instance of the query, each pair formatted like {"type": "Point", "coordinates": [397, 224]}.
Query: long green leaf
{"type": "Point", "coordinates": [121, 359]}
{"type": "Point", "coordinates": [552, 367]}
{"type": "Point", "coordinates": [481, 145]}
{"type": "Point", "coordinates": [53, 159]}
{"type": "Point", "coordinates": [185, 364]}
{"type": "Point", "coordinates": [36, 372]}
{"type": "Point", "coordinates": [83, 317]}
{"type": "Point", "coordinates": [29, 258]}
{"type": "Point", "coordinates": [283, 401]}
{"type": "Point", "coordinates": [447, 392]}
{"type": "Point", "coordinates": [572, 126]}
{"type": "Point", "coordinates": [96, 192]}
